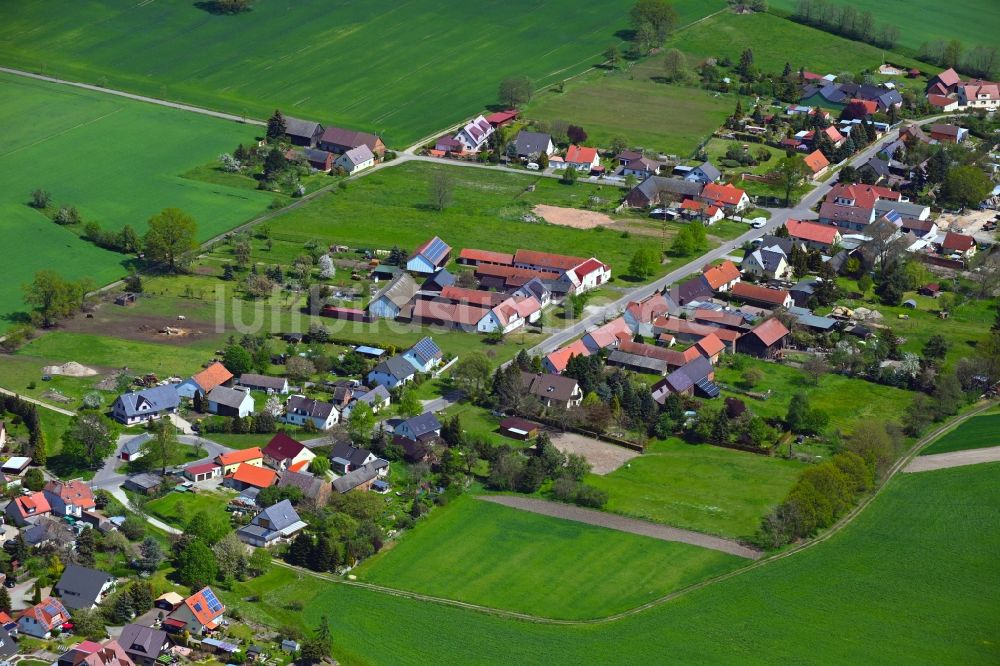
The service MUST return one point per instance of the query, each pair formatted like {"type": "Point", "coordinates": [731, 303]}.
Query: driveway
{"type": "Point", "coordinates": [109, 478]}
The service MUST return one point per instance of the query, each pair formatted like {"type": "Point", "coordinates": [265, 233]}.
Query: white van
{"type": "Point", "coordinates": [531, 166]}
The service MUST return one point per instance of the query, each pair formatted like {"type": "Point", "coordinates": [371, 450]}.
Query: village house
{"type": "Point", "coordinates": [690, 291]}
{"type": "Point", "coordinates": [979, 95]}
{"type": "Point", "coordinates": [318, 160]}
{"type": "Point", "coordinates": [424, 356]}
{"type": "Point", "coordinates": [250, 476]}
{"type": "Point", "coordinates": [640, 315]}
{"type": "Point", "coordinates": [704, 173]}
{"type": "Point", "coordinates": [144, 645]}
{"type": "Point", "coordinates": [699, 210]}
{"type": "Point", "coordinates": [391, 372]}
{"type": "Point", "coordinates": [345, 457]}
{"type": "Point", "coordinates": [283, 452]}
{"type": "Point", "coordinates": [83, 588]}
{"type": "Point", "coordinates": [214, 375]}
{"type": "Point", "coordinates": [475, 134]}
{"type": "Point", "coordinates": [69, 498]}
{"type": "Point", "coordinates": [146, 405]}
{"type": "Point", "coordinates": [429, 257]}
{"type": "Point", "coordinates": [814, 236]}
{"type": "Point", "coordinates": [529, 145]}
{"type": "Point", "coordinates": [733, 320]}
{"type": "Point", "coordinates": [226, 401]}
{"type": "Point", "coordinates": [946, 133]}
{"type": "Point", "coordinates": [90, 653]}
{"type": "Point", "coordinates": [761, 296]}
{"type": "Point", "coordinates": [338, 140]}
{"type": "Point", "coordinates": [581, 158]}
{"type": "Point", "coordinates": [200, 613]}
{"type": "Point", "coordinates": [388, 301]}
{"type": "Point", "coordinates": [852, 206]}
{"type": "Point", "coordinates": [264, 383]}
{"type": "Point", "coordinates": [711, 347]}
{"type": "Point", "coordinates": [363, 478]}
{"type": "Point", "coordinates": [659, 190]}
{"type": "Point", "coordinates": [302, 132]}
{"type": "Point", "coordinates": [607, 335]}
{"type": "Point", "coordinates": [231, 460]}
{"type": "Point", "coordinates": [698, 374]}
{"type": "Point", "coordinates": [958, 244]}
{"type": "Point", "coordinates": [313, 488]}
{"type": "Point", "coordinates": [555, 362]}
{"type": "Point", "coordinates": [28, 509]}
{"type": "Point", "coordinates": [765, 340]}
{"type": "Point", "coordinates": [354, 160]}
{"type": "Point", "coordinates": [817, 163]}
{"type": "Point", "coordinates": [683, 330]}
{"type": "Point", "coordinates": [640, 167]}
{"type": "Point", "coordinates": [552, 390]}
{"type": "Point", "coordinates": [727, 197]}
{"type": "Point", "coordinates": [275, 524]}
{"type": "Point", "coordinates": [300, 410]}
{"type": "Point", "coordinates": [770, 259]}
{"type": "Point", "coordinates": [40, 620]}
{"type": "Point", "coordinates": [721, 277]}
{"type": "Point", "coordinates": [419, 427]}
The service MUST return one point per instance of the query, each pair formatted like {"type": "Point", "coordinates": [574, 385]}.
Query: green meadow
{"type": "Point", "coordinates": [904, 583]}
{"type": "Point", "coordinates": [118, 161]}
{"type": "Point", "coordinates": [699, 487]}
{"type": "Point", "coordinates": [502, 557]}
{"type": "Point", "coordinates": [403, 70]}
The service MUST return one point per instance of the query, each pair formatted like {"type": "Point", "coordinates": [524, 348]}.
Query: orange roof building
{"type": "Point", "coordinates": [758, 295]}
{"type": "Point", "coordinates": [212, 376]}
{"type": "Point", "coordinates": [69, 498]}
{"type": "Point", "coordinates": [473, 257]}
{"type": "Point", "coordinates": [230, 461]}
{"type": "Point", "coordinates": [710, 347]}
{"type": "Point", "coordinates": [725, 196]}
{"type": "Point", "coordinates": [556, 361]}
{"type": "Point", "coordinates": [765, 340]}
{"type": "Point", "coordinates": [582, 156]}
{"type": "Point", "coordinates": [722, 277]}
{"type": "Point", "coordinates": [25, 509]}
{"type": "Point", "coordinates": [608, 335]}
{"type": "Point", "coordinates": [199, 613]}
{"type": "Point", "coordinates": [251, 476]}
{"type": "Point", "coordinates": [813, 234]}
{"type": "Point", "coordinates": [817, 163]}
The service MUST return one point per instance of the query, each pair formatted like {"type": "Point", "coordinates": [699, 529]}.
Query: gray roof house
{"type": "Point", "coordinates": [139, 406]}
{"type": "Point", "coordinates": [346, 457]}
{"type": "Point", "coordinates": [657, 189]}
{"type": "Point", "coordinates": [143, 644]}
{"type": "Point", "coordinates": [299, 409]}
{"type": "Point", "coordinates": [424, 355]}
{"type": "Point", "coordinates": [81, 587]}
{"type": "Point", "coordinates": [226, 401]}
{"type": "Point", "coordinates": [264, 383]}
{"type": "Point", "coordinates": [391, 372]}
{"type": "Point", "coordinates": [362, 477]}
{"type": "Point", "coordinates": [302, 132]}
{"type": "Point", "coordinates": [389, 300]}
{"type": "Point", "coordinates": [418, 427]}
{"type": "Point", "coordinates": [532, 144]}
{"type": "Point", "coordinates": [8, 646]}
{"type": "Point", "coordinates": [276, 523]}
{"type": "Point", "coordinates": [313, 488]}
{"type": "Point", "coordinates": [703, 173]}
{"type": "Point", "coordinates": [695, 289]}
{"type": "Point", "coordinates": [377, 398]}
{"type": "Point", "coordinates": [134, 448]}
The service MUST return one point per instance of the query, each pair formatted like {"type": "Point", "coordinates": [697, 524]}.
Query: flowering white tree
{"type": "Point", "coordinates": [229, 163]}
{"type": "Point", "coordinates": [326, 268]}
{"type": "Point", "coordinates": [273, 406]}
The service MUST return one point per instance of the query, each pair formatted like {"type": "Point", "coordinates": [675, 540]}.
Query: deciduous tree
{"type": "Point", "coordinates": [171, 234]}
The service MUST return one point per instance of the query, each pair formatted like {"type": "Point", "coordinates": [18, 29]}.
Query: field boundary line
{"type": "Point", "coordinates": [64, 131]}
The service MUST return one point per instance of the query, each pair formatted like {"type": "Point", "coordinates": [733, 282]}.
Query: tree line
{"type": "Point", "coordinates": [847, 21]}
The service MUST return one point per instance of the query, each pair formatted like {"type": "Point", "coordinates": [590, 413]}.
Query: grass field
{"type": "Point", "coordinates": [978, 432]}
{"type": "Point", "coordinates": [973, 22]}
{"type": "Point", "coordinates": [178, 508]}
{"type": "Point", "coordinates": [118, 161]}
{"type": "Point", "coordinates": [391, 208]}
{"type": "Point", "coordinates": [656, 116]}
{"type": "Point", "coordinates": [845, 399]}
{"type": "Point", "coordinates": [402, 70]}
{"type": "Point", "coordinates": [904, 583]}
{"type": "Point", "coordinates": [699, 487]}
{"type": "Point", "coordinates": [775, 41]}
{"type": "Point", "coordinates": [505, 558]}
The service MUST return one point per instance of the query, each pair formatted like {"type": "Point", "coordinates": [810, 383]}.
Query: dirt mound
{"type": "Point", "coordinates": [572, 217]}
{"type": "Point", "coordinates": [70, 369]}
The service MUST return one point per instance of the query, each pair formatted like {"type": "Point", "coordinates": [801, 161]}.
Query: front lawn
{"type": "Point", "coordinates": [177, 508]}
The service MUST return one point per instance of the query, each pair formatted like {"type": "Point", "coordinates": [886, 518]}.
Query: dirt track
{"type": "Point", "coordinates": [623, 524]}
{"type": "Point", "coordinates": [953, 459]}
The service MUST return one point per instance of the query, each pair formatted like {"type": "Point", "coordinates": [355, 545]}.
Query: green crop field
{"type": "Point", "coordinates": [904, 583]}
{"type": "Point", "coordinates": [506, 558]}
{"type": "Point", "coordinates": [775, 41]}
{"type": "Point", "coordinates": [390, 208]}
{"type": "Point", "coordinates": [656, 116]}
{"type": "Point", "coordinates": [978, 432]}
{"type": "Point", "coordinates": [402, 70]}
{"type": "Point", "coordinates": [699, 487]}
{"type": "Point", "coordinates": [972, 22]}
{"type": "Point", "coordinates": [118, 161]}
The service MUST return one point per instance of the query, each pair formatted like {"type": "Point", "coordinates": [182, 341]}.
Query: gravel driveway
{"type": "Point", "coordinates": [602, 456]}
{"type": "Point", "coordinates": [622, 524]}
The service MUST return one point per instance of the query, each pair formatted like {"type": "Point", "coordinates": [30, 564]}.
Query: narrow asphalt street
{"type": "Point", "coordinates": [109, 478]}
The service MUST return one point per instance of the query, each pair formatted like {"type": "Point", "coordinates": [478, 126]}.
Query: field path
{"type": "Point", "coordinates": [623, 524]}
{"type": "Point", "coordinates": [139, 98]}
{"type": "Point", "coordinates": [41, 404]}
{"type": "Point", "coordinates": [954, 459]}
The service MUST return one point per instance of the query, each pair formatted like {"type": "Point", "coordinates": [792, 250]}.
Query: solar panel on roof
{"type": "Point", "coordinates": [213, 603]}
{"type": "Point", "coordinates": [436, 250]}
{"type": "Point", "coordinates": [708, 387]}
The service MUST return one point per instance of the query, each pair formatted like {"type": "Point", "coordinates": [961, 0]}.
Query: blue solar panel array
{"type": "Point", "coordinates": [436, 250]}
{"type": "Point", "coordinates": [213, 603]}
{"type": "Point", "coordinates": [426, 349]}
{"type": "Point", "coordinates": [893, 216]}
